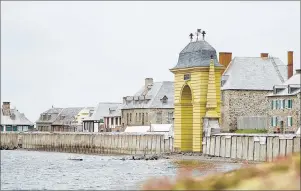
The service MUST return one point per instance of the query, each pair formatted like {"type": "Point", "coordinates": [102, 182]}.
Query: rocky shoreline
{"type": "Point", "coordinates": [187, 156]}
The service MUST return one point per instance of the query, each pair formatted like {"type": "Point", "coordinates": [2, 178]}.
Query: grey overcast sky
{"type": "Point", "coordinates": [76, 53]}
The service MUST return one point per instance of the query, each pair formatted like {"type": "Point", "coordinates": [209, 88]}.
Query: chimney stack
{"type": "Point", "coordinates": [264, 55]}
{"type": "Point", "coordinates": [225, 59]}
{"type": "Point", "coordinates": [290, 65]}
{"type": "Point", "coordinates": [6, 108]}
{"type": "Point", "coordinates": [148, 81]}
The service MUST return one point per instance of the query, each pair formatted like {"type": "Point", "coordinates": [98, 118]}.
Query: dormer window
{"type": "Point", "coordinates": [49, 116]}
{"type": "Point", "coordinates": [164, 99]}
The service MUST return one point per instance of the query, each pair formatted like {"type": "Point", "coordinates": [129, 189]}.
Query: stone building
{"type": "Point", "coordinates": [112, 121]}
{"type": "Point", "coordinates": [284, 105]}
{"type": "Point", "coordinates": [245, 84]}
{"type": "Point", "coordinates": [152, 104]}
{"type": "Point", "coordinates": [58, 119]}
{"type": "Point", "coordinates": [95, 122]}
{"type": "Point", "coordinates": [13, 120]}
{"type": "Point", "coordinates": [197, 94]}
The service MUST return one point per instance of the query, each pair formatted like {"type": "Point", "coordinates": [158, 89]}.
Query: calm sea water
{"type": "Point", "coordinates": [25, 170]}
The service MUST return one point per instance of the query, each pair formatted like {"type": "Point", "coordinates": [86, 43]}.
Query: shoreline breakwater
{"type": "Point", "coordinates": [98, 143]}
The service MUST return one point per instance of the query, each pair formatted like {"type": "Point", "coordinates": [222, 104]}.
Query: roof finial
{"type": "Point", "coordinates": [198, 31]}
{"type": "Point", "coordinates": [191, 37]}
{"type": "Point", "coordinates": [203, 33]}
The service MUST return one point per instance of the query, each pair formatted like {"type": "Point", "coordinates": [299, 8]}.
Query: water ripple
{"type": "Point", "coordinates": [28, 170]}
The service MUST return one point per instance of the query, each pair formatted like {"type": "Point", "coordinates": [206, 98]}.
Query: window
{"type": "Point", "coordinates": [146, 117]}
{"type": "Point", "coordinates": [112, 121]}
{"type": "Point", "coordinates": [274, 104]}
{"type": "Point", "coordinates": [130, 117]}
{"type": "Point", "coordinates": [142, 118]}
{"type": "Point", "coordinates": [136, 117]}
{"type": "Point", "coordinates": [289, 121]}
{"type": "Point", "coordinates": [159, 117]}
{"type": "Point", "coordinates": [289, 104]}
{"type": "Point", "coordinates": [139, 116]}
{"type": "Point", "coordinates": [274, 121]}
{"type": "Point", "coordinates": [127, 118]}
{"type": "Point", "coordinates": [186, 77]}
{"type": "Point", "coordinates": [281, 104]}
{"type": "Point", "coordinates": [170, 116]}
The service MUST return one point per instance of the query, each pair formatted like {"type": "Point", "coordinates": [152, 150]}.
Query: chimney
{"type": "Point", "coordinates": [264, 55]}
{"type": "Point", "coordinates": [148, 81]}
{"type": "Point", "coordinates": [6, 108]}
{"type": "Point", "coordinates": [225, 59]}
{"type": "Point", "coordinates": [290, 65]}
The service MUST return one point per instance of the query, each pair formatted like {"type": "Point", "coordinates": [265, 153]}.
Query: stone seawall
{"type": "Point", "coordinates": [101, 143]}
{"type": "Point", "coordinates": [252, 147]}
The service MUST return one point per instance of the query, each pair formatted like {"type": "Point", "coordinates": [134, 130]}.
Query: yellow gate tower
{"type": "Point", "coordinates": [197, 93]}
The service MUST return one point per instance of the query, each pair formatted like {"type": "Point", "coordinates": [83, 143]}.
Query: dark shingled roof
{"type": "Point", "coordinates": [197, 54]}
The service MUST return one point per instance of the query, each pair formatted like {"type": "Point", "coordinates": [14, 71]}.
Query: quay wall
{"type": "Point", "coordinates": [252, 147]}
{"type": "Point", "coordinates": [98, 143]}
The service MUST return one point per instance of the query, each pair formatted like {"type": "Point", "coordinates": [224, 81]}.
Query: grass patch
{"type": "Point", "coordinates": [251, 131]}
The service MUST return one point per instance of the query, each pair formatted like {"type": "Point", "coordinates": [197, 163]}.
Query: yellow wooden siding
{"type": "Point", "coordinates": [188, 123]}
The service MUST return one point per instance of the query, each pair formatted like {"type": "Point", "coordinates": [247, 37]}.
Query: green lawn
{"type": "Point", "coordinates": [251, 131]}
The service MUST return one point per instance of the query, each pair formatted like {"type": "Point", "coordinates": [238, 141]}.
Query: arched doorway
{"type": "Point", "coordinates": [186, 119]}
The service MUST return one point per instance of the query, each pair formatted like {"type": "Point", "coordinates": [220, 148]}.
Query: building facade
{"type": "Point", "coordinates": [284, 106]}
{"type": "Point", "coordinates": [58, 119]}
{"type": "Point", "coordinates": [245, 84]}
{"type": "Point", "coordinates": [152, 104]}
{"type": "Point", "coordinates": [95, 123]}
{"type": "Point", "coordinates": [113, 120]}
{"type": "Point", "coordinates": [13, 120]}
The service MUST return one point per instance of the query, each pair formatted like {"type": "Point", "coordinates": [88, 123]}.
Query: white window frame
{"type": "Point", "coordinates": [289, 121]}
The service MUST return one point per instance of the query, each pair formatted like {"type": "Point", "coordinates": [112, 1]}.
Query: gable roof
{"type": "Point", "coordinates": [101, 110]}
{"type": "Point", "coordinates": [114, 111]}
{"type": "Point", "coordinates": [197, 54]}
{"type": "Point", "coordinates": [19, 119]}
{"type": "Point", "coordinates": [53, 113]}
{"type": "Point", "coordinates": [151, 97]}
{"type": "Point", "coordinates": [67, 115]}
{"type": "Point", "coordinates": [254, 73]}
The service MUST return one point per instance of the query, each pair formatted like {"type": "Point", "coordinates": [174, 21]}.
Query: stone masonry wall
{"type": "Point", "coordinates": [283, 113]}
{"type": "Point", "coordinates": [150, 116]}
{"type": "Point", "coordinates": [237, 103]}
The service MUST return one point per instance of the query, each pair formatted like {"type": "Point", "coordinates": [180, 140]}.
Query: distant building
{"type": "Point", "coordinates": [81, 116]}
{"type": "Point", "coordinates": [284, 105]}
{"type": "Point", "coordinates": [13, 120]}
{"type": "Point", "coordinates": [245, 84]}
{"type": "Point", "coordinates": [112, 120]}
{"type": "Point", "coordinates": [58, 119]}
{"type": "Point", "coordinates": [153, 103]}
{"type": "Point", "coordinates": [95, 122]}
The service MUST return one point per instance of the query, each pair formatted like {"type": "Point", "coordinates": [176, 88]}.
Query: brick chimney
{"type": "Point", "coordinates": [225, 59]}
{"type": "Point", "coordinates": [148, 81]}
{"type": "Point", "coordinates": [264, 55]}
{"type": "Point", "coordinates": [6, 108]}
{"type": "Point", "coordinates": [290, 65]}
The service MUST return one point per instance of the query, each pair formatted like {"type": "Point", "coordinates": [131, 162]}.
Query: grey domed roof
{"type": "Point", "coordinates": [197, 54]}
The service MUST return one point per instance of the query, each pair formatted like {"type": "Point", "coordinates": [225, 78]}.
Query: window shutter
{"type": "Point", "coordinates": [272, 122]}
{"type": "Point", "coordinates": [291, 121]}
{"type": "Point", "coordinates": [291, 103]}
{"type": "Point", "coordinates": [276, 121]}
{"type": "Point", "coordinates": [283, 104]}
{"type": "Point", "coordinates": [272, 104]}
{"type": "Point", "coordinates": [276, 104]}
